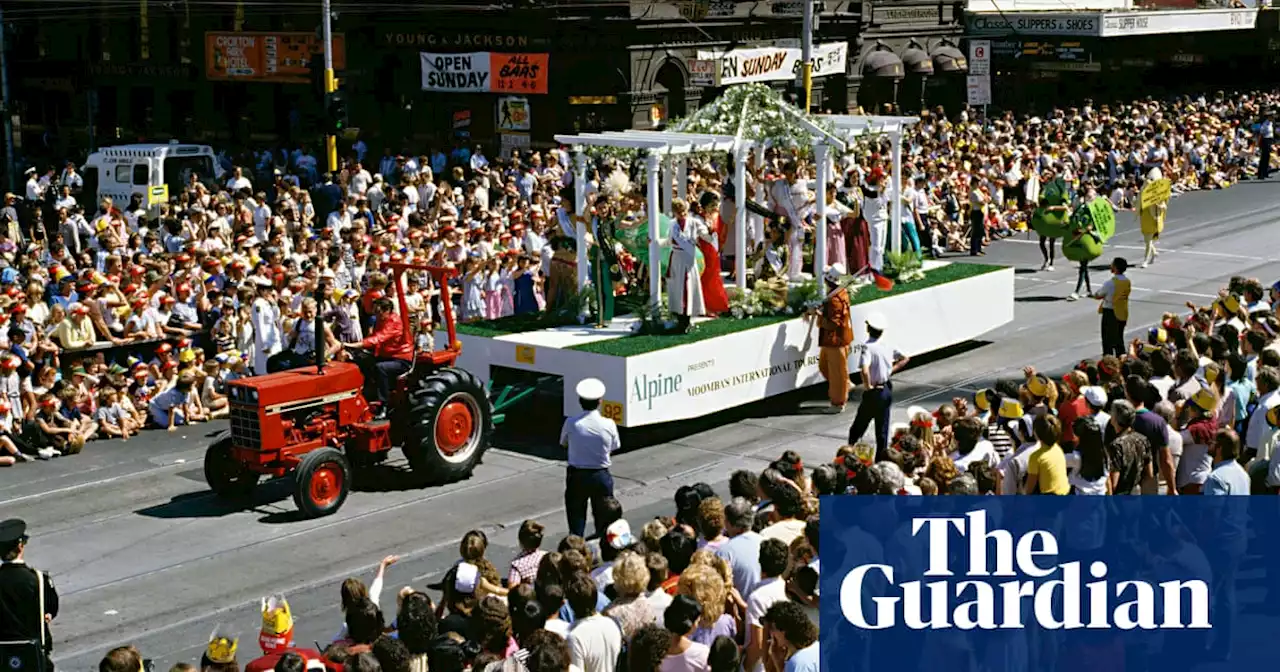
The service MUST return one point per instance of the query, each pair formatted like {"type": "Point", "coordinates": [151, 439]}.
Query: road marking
{"type": "Point", "coordinates": [1177, 292]}
{"type": "Point", "coordinates": [1222, 255]}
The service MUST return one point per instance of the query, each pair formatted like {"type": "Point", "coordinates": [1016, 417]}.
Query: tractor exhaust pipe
{"type": "Point", "coordinates": [320, 343]}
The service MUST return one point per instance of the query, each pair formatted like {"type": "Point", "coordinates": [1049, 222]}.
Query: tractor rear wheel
{"type": "Point", "coordinates": [226, 477]}
{"type": "Point", "coordinates": [321, 482]}
{"type": "Point", "coordinates": [449, 426]}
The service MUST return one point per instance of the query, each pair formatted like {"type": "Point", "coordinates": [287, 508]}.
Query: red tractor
{"type": "Point", "coordinates": [316, 423]}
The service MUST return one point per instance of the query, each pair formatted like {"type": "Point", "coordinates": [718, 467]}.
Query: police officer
{"type": "Point", "coordinates": [25, 639]}
{"type": "Point", "coordinates": [590, 438]}
{"type": "Point", "coordinates": [877, 362]}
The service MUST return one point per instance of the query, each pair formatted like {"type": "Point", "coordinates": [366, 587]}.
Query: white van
{"type": "Point", "coordinates": [119, 172]}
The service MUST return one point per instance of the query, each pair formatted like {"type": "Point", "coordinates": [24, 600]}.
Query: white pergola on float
{"type": "Point", "coordinates": [654, 383]}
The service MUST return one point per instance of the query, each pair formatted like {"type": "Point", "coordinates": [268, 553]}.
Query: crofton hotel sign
{"type": "Point", "coordinates": [1112, 24]}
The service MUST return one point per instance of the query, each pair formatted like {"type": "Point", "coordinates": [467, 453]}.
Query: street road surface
{"type": "Point", "coordinates": [142, 553]}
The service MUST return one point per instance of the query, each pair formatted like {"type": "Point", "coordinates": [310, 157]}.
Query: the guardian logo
{"type": "Point", "coordinates": [1005, 578]}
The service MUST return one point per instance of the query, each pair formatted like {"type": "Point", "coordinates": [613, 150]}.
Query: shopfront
{"type": "Point", "coordinates": [1044, 59]}
{"type": "Point", "coordinates": [909, 57]}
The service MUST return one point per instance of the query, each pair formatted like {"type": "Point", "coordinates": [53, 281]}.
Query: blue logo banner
{"type": "Point", "coordinates": [1013, 584]}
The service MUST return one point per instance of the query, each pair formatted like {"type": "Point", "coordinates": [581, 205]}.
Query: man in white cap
{"type": "Point", "coordinates": [267, 339]}
{"type": "Point", "coordinates": [589, 438]}
{"type": "Point", "coordinates": [877, 361]}
{"type": "Point", "coordinates": [835, 334]}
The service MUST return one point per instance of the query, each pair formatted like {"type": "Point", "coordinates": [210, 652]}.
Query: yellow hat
{"type": "Point", "coordinates": [1273, 416]}
{"type": "Point", "coordinates": [1205, 399]}
{"type": "Point", "coordinates": [187, 356]}
{"type": "Point", "coordinates": [1038, 385]}
{"type": "Point", "coordinates": [1010, 409]}
{"type": "Point", "coordinates": [222, 646]}
{"type": "Point", "coordinates": [983, 399]}
{"type": "Point", "coordinates": [1211, 372]}
{"type": "Point", "coordinates": [277, 624]}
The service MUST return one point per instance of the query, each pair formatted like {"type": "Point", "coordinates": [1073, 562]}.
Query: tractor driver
{"type": "Point", "coordinates": [391, 350]}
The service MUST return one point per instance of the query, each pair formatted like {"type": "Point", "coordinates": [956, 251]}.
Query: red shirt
{"type": "Point", "coordinates": [387, 339]}
{"type": "Point", "coordinates": [268, 662]}
{"type": "Point", "coordinates": [1068, 411]}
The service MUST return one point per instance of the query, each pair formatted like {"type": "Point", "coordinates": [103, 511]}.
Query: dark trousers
{"type": "Point", "coordinates": [874, 406]}
{"type": "Point", "coordinates": [977, 231]}
{"type": "Point", "coordinates": [580, 487]}
{"type": "Point", "coordinates": [1082, 279]}
{"type": "Point", "coordinates": [288, 359]}
{"type": "Point", "coordinates": [1264, 158]}
{"type": "Point", "coordinates": [1112, 334]}
{"type": "Point", "coordinates": [386, 372]}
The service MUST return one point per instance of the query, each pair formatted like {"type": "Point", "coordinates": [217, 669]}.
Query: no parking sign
{"type": "Point", "coordinates": [979, 57]}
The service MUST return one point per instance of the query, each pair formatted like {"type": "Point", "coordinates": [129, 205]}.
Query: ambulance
{"type": "Point", "coordinates": [157, 171]}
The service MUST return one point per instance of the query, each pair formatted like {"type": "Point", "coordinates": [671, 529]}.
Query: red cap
{"type": "Point", "coordinates": [164, 348]}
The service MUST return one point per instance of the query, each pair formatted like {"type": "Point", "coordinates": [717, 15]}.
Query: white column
{"type": "Point", "coordinates": [820, 228]}
{"type": "Point", "coordinates": [682, 178]}
{"type": "Point", "coordinates": [667, 170]}
{"type": "Point", "coordinates": [653, 175]}
{"type": "Point", "coordinates": [740, 219]}
{"type": "Point", "coordinates": [580, 207]}
{"type": "Point", "coordinates": [895, 208]}
{"type": "Point", "coordinates": [759, 195]}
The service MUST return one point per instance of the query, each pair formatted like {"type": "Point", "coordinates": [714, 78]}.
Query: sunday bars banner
{"type": "Point", "coordinates": [484, 72]}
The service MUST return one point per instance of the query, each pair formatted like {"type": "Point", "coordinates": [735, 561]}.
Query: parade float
{"type": "Point", "coordinates": [762, 346]}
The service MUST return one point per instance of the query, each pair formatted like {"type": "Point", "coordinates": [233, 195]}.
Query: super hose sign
{"type": "Point", "coordinates": [484, 72]}
{"type": "Point", "coordinates": [1005, 584]}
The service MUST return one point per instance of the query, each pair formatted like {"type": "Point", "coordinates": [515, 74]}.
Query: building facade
{"type": "Point", "coordinates": [1109, 50]}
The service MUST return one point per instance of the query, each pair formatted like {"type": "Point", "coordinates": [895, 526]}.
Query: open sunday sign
{"type": "Point", "coordinates": [485, 71]}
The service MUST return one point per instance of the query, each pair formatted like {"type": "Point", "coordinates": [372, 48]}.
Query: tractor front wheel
{"type": "Point", "coordinates": [321, 482]}
{"type": "Point", "coordinates": [226, 477]}
{"type": "Point", "coordinates": [449, 426]}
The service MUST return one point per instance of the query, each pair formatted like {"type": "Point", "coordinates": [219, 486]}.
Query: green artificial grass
{"type": "Point", "coordinates": [513, 324]}
{"type": "Point", "coordinates": [629, 346]}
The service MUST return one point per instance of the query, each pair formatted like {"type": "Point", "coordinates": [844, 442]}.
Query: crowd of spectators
{"type": "Point", "coordinates": [115, 317]}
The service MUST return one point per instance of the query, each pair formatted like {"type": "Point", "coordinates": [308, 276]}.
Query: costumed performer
{"type": "Point", "coordinates": [875, 211]}
{"type": "Point", "coordinates": [792, 199]}
{"type": "Point", "coordinates": [1151, 220]}
{"type": "Point", "coordinates": [835, 335]}
{"type": "Point", "coordinates": [684, 290]}
{"type": "Point", "coordinates": [713, 295]}
{"type": "Point", "coordinates": [276, 639]}
{"type": "Point", "coordinates": [837, 219]}
{"type": "Point", "coordinates": [604, 264]}
{"type": "Point", "coordinates": [562, 282]}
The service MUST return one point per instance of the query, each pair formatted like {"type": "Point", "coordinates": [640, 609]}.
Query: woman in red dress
{"type": "Point", "coordinates": [713, 295]}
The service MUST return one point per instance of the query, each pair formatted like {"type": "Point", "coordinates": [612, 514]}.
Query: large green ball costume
{"type": "Point", "coordinates": [1097, 220]}
{"type": "Point", "coordinates": [1051, 223]}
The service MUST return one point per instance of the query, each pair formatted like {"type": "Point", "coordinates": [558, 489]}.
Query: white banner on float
{"type": "Point", "coordinates": [771, 64]}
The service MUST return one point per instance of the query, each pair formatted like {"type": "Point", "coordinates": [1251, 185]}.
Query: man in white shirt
{"type": "Point", "coordinates": [479, 164]}
{"type": "Point", "coordinates": [1268, 381]}
{"type": "Point", "coordinates": [267, 339]}
{"type": "Point", "coordinates": [771, 590]}
{"type": "Point", "coordinates": [238, 181]}
{"type": "Point", "coordinates": [594, 640]}
{"type": "Point", "coordinates": [360, 181]}
{"type": "Point", "coordinates": [877, 362]}
{"type": "Point", "coordinates": [589, 438]}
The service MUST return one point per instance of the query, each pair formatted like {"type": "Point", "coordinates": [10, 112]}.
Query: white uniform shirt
{"type": "Point", "coordinates": [878, 357]}
{"type": "Point", "coordinates": [590, 438]}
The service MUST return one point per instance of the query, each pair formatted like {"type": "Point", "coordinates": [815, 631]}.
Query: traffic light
{"type": "Point", "coordinates": [336, 112]}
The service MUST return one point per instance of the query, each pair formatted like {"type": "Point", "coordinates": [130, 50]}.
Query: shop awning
{"type": "Point", "coordinates": [882, 63]}
{"type": "Point", "coordinates": [917, 61]}
{"type": "Point", "coordinates": [947, 58]}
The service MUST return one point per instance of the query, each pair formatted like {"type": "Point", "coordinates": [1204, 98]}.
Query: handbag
{"type": "Point", "coordinates": [28, 655]}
